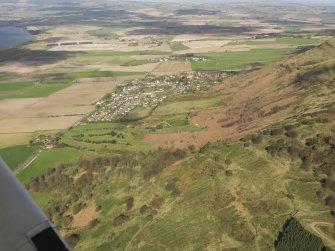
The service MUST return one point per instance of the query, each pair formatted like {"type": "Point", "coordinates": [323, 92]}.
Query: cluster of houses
{"type": "Point", "coordinates": [46, 141]}
{"type": "Point", "coordinates": [150, 92]}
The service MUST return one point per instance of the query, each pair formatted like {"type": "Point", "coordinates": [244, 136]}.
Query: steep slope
{"type": "Point", "coordinates": [295, 88]}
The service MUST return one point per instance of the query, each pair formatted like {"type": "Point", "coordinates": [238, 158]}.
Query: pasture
{"type": "Point", "coordinates": [106, 137]}
{"type": "Point", "coordinates": [172, 67]}
{"type": "Point", "coordinates": [59, 110]}
{"type": "Point", "coordinates": [15, 155]}
{"type": "Point", "coordinates": [238, 60]}
{"type": "Point", "coordinates": [187, 106]}
{"type": "Point", "coordinates": [178, 47]}
{"type": "Point", "coordinates": [281, 40]}
{"type": "Point", "coordinates": [29, 89]}
{"type": "Point", "coordinates": [48, 159]}
{"type": "Point", "coordinates": [138, 62]}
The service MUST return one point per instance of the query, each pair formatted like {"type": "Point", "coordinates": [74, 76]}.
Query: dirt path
{"type": "Point", "coordinates": [314, 227]}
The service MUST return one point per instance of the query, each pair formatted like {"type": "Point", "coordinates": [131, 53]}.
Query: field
{"type": "Point", "coordinates": [138, 62]}
{"type": "Point", "coordinates": [188, 106]}
{"type": "Point", "coordinates": [28, 90]}
{"type": "Point", "coordinates": [46, 160]}
{"type": "Point", "coordinates": [106, 138]}
{"type": "Point", "coordinates": [102, 74]}
{"type": "Point", "coordinates": [47, 114]}
{"type": "Point", "coordinates": [178, 47]}
{"type": "Point", "coordinates": [284, 40]}
{"type": "Point", "coordinates": [238, 60]}
{"type": "Point", "coordinates": [104, 33]}
{"type": "Point", "coordinates": [171, 67]}
{"type": "Point", "coordinates": [15, 155]}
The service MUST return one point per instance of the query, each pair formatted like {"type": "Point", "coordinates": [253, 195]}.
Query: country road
{"type": "Point", "coordinates": [27, 162]}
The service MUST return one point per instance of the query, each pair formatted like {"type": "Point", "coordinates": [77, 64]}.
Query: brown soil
{"type": "Point", "coordinates": [84, 217]}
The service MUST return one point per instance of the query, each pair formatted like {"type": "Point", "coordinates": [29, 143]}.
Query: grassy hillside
{"type": "Point", "coordinates": [270, 156]}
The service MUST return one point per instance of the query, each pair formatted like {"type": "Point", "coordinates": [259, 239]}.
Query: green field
{"type": "Point", "coordinates": [115, 53]}
{"type": "Point", "coordinates": [178, 47]}
{"type": "Point", "coordinates": [106, 137]}
{"type": "Point", "coordinates": [175, 123]}
{"type": "Point", "coordinates": [7, 76]}
{"type": "Point", "coordinates": [15, 155]}
{"type": "Point", "coordinates": [139, 113]}
{"type": "Point", "coordinates": [138, 62]}
{"type": "Point", "coordinates": [100, 74]}
{"type": "Point", "coordinates": [29, 89]}
{"type": "Point", "coordinates": [47, 159]}
{"type": "Point", "coordinates": [105, 33]}
{"type": "Point", "coordinates": [187, 106]}
{"type": "Point", "coordinates": [109, 57]}
{"type": "Point", "coordinates": [282, 40]}
{"type": "Point", "coordinates": [41, 198]}
{"type": "Point", "coordinates": [238, 60]}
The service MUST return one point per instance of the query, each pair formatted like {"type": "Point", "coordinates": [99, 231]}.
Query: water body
{"type": "Point", "coordinates": [13, 36]}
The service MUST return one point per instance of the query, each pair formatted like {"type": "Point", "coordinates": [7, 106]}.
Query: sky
{"type": "Point", "coordinates": [313, 2]}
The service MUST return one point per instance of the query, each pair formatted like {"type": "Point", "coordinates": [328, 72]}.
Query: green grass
{"type": "Point", "coordinates": [98, 74]}
{"type": "Point", "coordinates": [105, 33]}
{"type": "Point", "coordinates": [116, 53]}
{"type": "Point", "coordinates": [238, 60]}
{"type": "Point", "coordinates": [108, 57]}
{"type": "Point", "coordinates": [41, 198]}
{"type": "Point", "coordinates": [282, 40]}
{"type": "Point", "coordinates": [51, 85]}
{"type": "Point", "coordinates": [15, 155]}
{"type": "Point", "coordinates": [188, 106]}
{"type": "Point", "coordinates": [96, 137]}
{"type": "Point", "coordinates": [178, 47]}
{"type": "Point", "coordinates": [174, 123]}
{"type": "Point", "coordinates": [138, 113]}
{"type": "Point", "coordinates": [7, 76]}
{"type": "Point", "coordinates": [47, 159]}
{"type": "Point", "coordinates": [29, 89]}
{"type": "Point", "coordinates": [138, 62]}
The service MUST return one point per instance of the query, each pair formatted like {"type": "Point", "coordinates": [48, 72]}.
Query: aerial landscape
{"type": "Point", "coordinates": [166, 125]}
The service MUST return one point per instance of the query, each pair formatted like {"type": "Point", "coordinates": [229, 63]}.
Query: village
{"type": "Point", "coordinates": [150, 92]}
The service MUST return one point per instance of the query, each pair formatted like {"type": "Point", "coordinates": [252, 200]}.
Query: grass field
{"type": "Point", "coordinates": [188, 106]}
{"type": "Point", "coordinates": [138, 62]}
{"type": "Point", "coordinates": [109, 57]}
{"type": "Point", "coordinates": [115, 53]}
{"type": "Point", "coordinates": [105, 33]}
{"type": "Point", "coordinates": [106, 137]}
{"type": "Point", "coordinates": [238, 60]}
{"type": "Point", "coordinates": [283, 40]}
{"type": "Point", "coordinates": [101, 74]}
{"type": "Point", "coordinates": [47, 159]}
{"type": "Point", "coordinates": [29, 89]}
{"type": "Point", "coordinates": [178, 47]}
{"type": "Point", "coordinates": [41, 198]}
{"type": "Point", "coordinates": [15, 155]}
{"type": "Point", "coordinates": [7, 76]}
{"type": "Point", "coordinates": [139, 113]}
{"type": "Point", "coordinates": [175, 123]}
